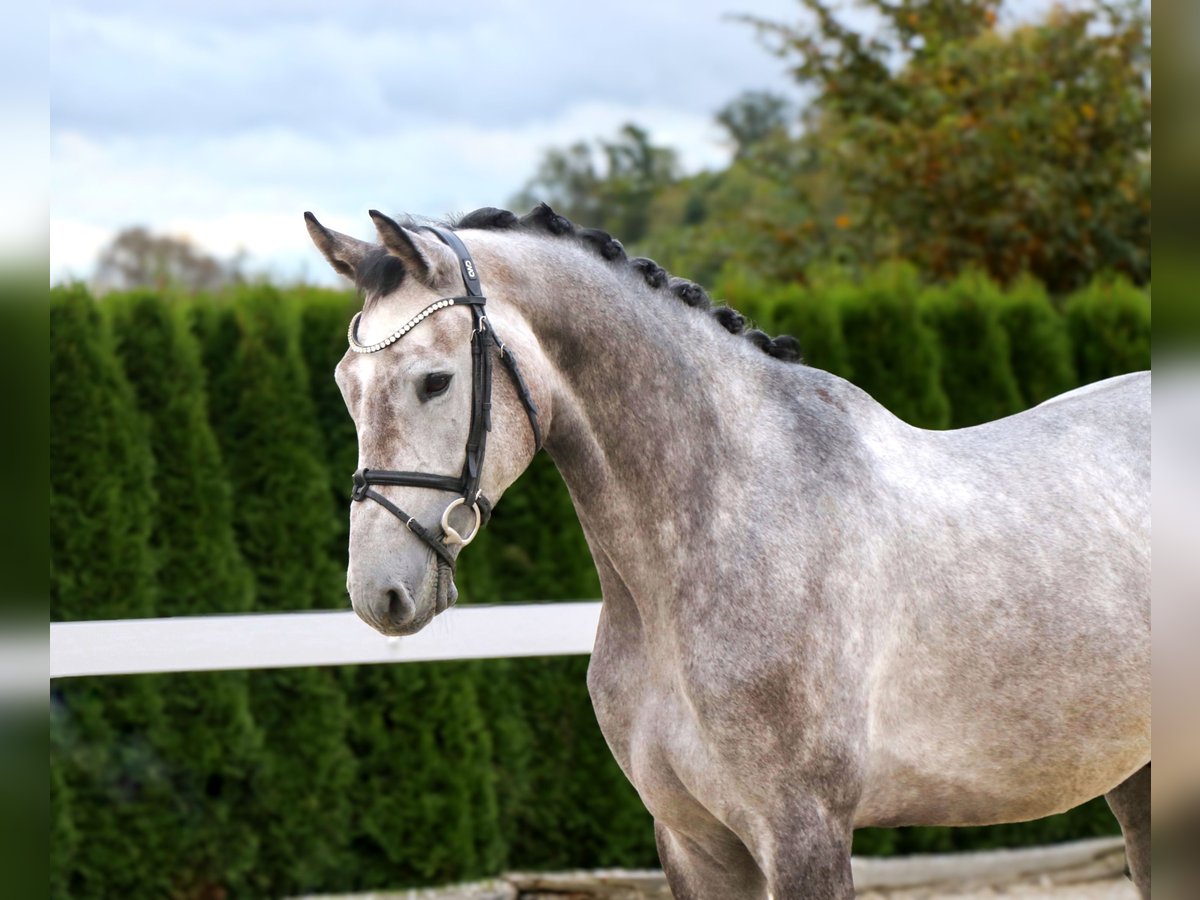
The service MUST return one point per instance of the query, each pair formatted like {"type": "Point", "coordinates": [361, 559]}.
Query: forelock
{"type": "Point", "coordinates": [378, 274]}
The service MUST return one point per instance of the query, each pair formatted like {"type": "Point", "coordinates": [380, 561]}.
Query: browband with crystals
{"type": "Point", "coordinates": [352, 332]}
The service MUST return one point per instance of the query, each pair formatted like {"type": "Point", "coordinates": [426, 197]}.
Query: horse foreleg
{"type": "Point", "coordinates": [806, 856]}
{"type": "Point", "coordinates": [715, 867]}
{"type": "Point", "coordinates": [1130, 803]}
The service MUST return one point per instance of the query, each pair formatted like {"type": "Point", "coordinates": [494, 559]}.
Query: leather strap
{"type": "Point", "coordinates": [437, 545]}
{"type": "Point", "coordinates": [531, 411]}
{"type": "Point", "coordinates": [466, 264]}
{"type": "Point", "coordinates": [364, 477]}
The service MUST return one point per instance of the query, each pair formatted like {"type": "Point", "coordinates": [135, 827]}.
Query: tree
{"type": "Point", "coordinates": [892, 351]}
{"type": "Point", "coordinates": [977, 373]}
{"type": "Point", "coordinates": [752, 117]}
{"type": "Point", "coordinates": [607, 185]}
{"type": "Point", "coordinates": [136, 258]}
{"type": "Point", "coordinates": [958, 144]}
{"type": "Point", "coordinates": [212, 747]}
{"type": "Point", "coordinates": [262, 413]}
{"type": "Point", "coordinates": [106, 734]}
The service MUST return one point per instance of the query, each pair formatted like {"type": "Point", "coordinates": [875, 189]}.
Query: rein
{"type": "Point", "coordinates": [466, 484]}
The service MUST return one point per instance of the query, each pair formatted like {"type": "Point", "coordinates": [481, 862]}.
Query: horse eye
{"type": "Point", "coordinates": [435, 384]}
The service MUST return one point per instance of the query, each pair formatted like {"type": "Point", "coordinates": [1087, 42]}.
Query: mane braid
{"type": "Point", "coordinates": [604, 243]}
{"type": "Point", "coordinates": [731, 320]}
{"type": "Point", "coordinates": [543, 219]}
{"type": "Point", "coordinates": [488, 218]}
{"type": "Point", "coordinates": [656, 276]}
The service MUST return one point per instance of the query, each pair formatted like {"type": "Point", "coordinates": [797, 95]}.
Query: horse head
{"type": "Point", "coordinates": [445, 418]}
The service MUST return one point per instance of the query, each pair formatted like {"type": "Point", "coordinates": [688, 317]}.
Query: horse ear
{"type": "Point", "coordinates": [343, 252]}
{"type": "Point", "coordinates": [429, 261]}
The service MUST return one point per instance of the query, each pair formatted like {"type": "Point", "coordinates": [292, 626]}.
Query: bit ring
{"type": "Point", "coordinates": [452, 535]}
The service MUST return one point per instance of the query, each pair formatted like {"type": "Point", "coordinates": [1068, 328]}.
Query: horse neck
{"type": "Point", "coordinates": [660, 419]}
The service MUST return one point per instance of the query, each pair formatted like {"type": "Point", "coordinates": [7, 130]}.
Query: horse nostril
{"type": "Point", "coordinates": [400, 608]}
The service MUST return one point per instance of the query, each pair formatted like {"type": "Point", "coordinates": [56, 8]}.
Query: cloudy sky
{"type": "Point", "coordinates": [224, 120]}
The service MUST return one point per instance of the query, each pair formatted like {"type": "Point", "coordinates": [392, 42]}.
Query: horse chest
{"type": "Point", "coordinates": [687, 775]}
{"type": "Point", "coordinates": [655, 740]}
{"type": "Point", "coordinates": [634, 706]}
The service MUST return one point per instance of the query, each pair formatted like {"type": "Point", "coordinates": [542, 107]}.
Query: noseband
{"type": "Point", "coordinates": [466, 485]}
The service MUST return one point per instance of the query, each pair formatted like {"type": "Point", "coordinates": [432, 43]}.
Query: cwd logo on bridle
{"type": "Point", "coordinates": [470, 268]}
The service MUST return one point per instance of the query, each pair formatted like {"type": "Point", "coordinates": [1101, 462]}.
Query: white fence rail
{"type": "Point", "coordinates": [281, 640]}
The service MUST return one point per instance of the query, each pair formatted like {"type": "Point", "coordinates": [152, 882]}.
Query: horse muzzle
{"type": "Point", "coordinates": [392, 608]}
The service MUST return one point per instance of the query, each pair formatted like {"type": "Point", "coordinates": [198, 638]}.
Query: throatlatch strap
{"type": "Point", "coordinates": [531, 410]}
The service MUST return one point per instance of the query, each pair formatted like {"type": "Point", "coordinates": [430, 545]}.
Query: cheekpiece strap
{"type": "Point", "coordinates": [470, 275]}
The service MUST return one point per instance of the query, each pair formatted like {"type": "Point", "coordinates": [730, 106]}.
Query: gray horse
{"type": "Point", "coordinates": [816, 617]}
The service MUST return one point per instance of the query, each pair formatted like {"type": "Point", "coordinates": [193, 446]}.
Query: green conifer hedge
{"type": "Point", "coordinates": [323, 317]}
{"type": "Point", "coordinates": [1109, 323]}
{"type": "Point", "coordinates": [811, 314]}
{"type": "Point", "coordinates": [263, 416]}
{"type": "Point", "coordinates": [106, 734]}
{"type": "Point", "coordinates": [563, 799]}
{"type": "Point", "coordinates": [893, 352]}
{"type": "Point", "coordinates": [976, 368]}
{"type": "Point", "coordinates": [423, 750]}
{"type": "Point", "coordinates": [213, 745]}
{"type": "Point", "coordinates": [1038, 343]}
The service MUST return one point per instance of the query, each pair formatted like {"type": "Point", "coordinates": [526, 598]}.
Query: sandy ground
{"type": "Point", "coordinates": [1109, 889]}
{"type": "Point", "coordinates": [1083, 870]}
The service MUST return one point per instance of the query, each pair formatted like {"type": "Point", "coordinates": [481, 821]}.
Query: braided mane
{"type": "Point", "coordinates": [543, 219]}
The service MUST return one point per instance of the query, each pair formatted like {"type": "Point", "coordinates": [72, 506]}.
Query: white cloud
{"type": "Point", "coordinates": [74, 246]}
{"type": "Point", "coordinates": [246, 192]}
{"type": "Point", "coordinates": [493, 64]}
{"type": "Point", "coordinates": [225, 120]}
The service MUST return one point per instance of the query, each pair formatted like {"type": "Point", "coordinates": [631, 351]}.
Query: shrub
{"type": "Point", "coordinates": [263, 416]}
{"type": "Point", "coordinates": [213, 746]}
{"type": "Point", "coordinates": [1038, 344]}
{"type": "Point", "coordinates": [976, 373]}
{"type": "Point", "coordinates": [893, 353]}
{"type": "Point", "coordinates": [1109, 323]}
{"type": "Point", "coordinates": [106, 734]}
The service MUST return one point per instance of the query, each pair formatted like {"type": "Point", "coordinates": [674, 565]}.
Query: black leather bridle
{"type": "Point", "coordinates": [466, 484]}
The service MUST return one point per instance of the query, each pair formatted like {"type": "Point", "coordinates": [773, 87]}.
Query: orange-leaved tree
{"type": "Point", "coordinates": [957, 143]}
